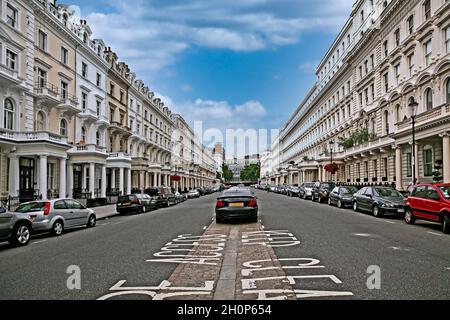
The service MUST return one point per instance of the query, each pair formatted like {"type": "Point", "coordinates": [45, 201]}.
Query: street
{"type": "Point", "coordinates": [300, 249]}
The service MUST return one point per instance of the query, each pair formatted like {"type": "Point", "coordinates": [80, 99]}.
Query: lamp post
{"type": "Point", "coordinates": [413, 105]}
{"type": "Point", "coordinates": [331, 156]}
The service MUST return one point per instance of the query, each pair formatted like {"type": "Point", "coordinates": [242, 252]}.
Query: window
{"type": "Point", "coordinates": [84, 70]}
{"type": "Point", "coordinates": [99, 80]}
{"type": "Point", "coordinates": [397, 73]}
{"type": "Point", "coordinates": [385, 168]}
{"type": "Point", "coordinates": [121, 96]}
{"type": "Point", "coordinates": [64, 89]}
{"type": "Point", "coordinates": [98, 104]}
{"type": "Point", "coordinates": [386, 81]}
{"type": "Point", "coordinates": [428, 161]}
{"type": "Point", "coordinates": [111, 89]}
{"type": "Point", "coordinates": [97, 138]}
{"type": "Point", "coordinates": [427, 9]}
{"type": "Point", "coordinates": [411, 64]}
{"type": "Point", "coordinates": [40, 121]}
{"type": "Point", "coordinates": [375, 168]}
{"type": "Point", "coordinates": [398, 113]}
{"type": "Point", "coordinates": [429, 99]}
{"type": "Point", "coordinates": [63, 128]}
{"type": "Point", "coordinates": [64, 55]}
{"type": "Point", "coordinates": [447, 39]}
{"type": "Point", "coordinates": [386, 122]}
{"type": "Point", "coordinates": [42, 78]}
{"type": "Point", "coordinates": [386, 48]}
{"type": "Point", "coordinates": [83, 135]}
{"type": "Point", "coordinates": [84, 98]}
{"type": "Point", "coordinates": [409, 164]}
{"type": "Point", "coordinates": [397, 37]}
{"type": "Point", "coordinates": [8, 116]}
{"type": "Point", "coordinates": [51, 181]}
{"type": "Point", "coordinates": [428, 52]}
{"type": "Point", "coordinates": [11, 16]}
{"type": "Point", "coordinates": [411, 24]}
{"type": "Point", "coordinates": [448, 92]}
{"type": "Point", "coordinates": [42, 40]}
{"type": "Point", "coordinates": [11, 60]}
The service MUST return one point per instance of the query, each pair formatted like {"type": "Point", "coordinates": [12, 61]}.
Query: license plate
{"type": "Point", "coordinates": [126, 203]}
{"type": "Point", "coordinates": [237, 204]}
{"type": "Point", "coordinates": [401, 210]}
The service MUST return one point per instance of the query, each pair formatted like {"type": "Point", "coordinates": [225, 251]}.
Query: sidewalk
{"type": "Point", "coordinates": [105, 212]}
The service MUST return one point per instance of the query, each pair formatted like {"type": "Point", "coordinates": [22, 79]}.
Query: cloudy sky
{"type": "Point", "coordinates": [231, 64]}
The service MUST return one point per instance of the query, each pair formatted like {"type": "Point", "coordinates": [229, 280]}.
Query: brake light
{"type": "Point", "coordinates": [137, 201]}
{"type": "Point", "coordinates": [47, 209]}
{"type": "Point", "coordinates": [220, 204]}
{"type": "Point", "coordinates": [252, 203]}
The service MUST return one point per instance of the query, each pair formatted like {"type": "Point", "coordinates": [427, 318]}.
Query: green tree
{"type": "Point", "coordinates": [227, 173]}
{"type": "Point", "coordinates": [251, 172]}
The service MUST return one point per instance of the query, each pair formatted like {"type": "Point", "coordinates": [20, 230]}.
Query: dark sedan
{"type": "Point", "coordinates": [342, 196]}
{"type": "Point", "coordinates": [379, 201]}
{"type": "Point", "coordinates": [138, 203]}
{"type": "Point", "coordinates": [236, 204]}
{"type": "Point", "coordinates": [293, 191]}
{"type": "Point", "coordinates": [321, 191]}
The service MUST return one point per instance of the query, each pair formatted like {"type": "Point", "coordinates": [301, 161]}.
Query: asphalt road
{"type": "Point", "coordinates": [414, 260]}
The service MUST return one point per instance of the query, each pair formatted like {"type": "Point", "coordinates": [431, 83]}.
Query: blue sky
{"type": "Point", "coordinates": [232, 64]}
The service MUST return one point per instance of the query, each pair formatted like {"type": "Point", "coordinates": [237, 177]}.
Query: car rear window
{"type": "Point", "coordinates": [126, 198]}
{"type": "Point", "coordinates": [388, 192]}
{"type": "Point", "coordinates": [152, 192]}
{"type": "Point", "coordinates": [309, 185]}
{"type": "Point", "coordinates": [349, 190]}
{"type": "Point", "coordinates": [31, 207]}
{"type": "Point", "coordinates": [445, 191]}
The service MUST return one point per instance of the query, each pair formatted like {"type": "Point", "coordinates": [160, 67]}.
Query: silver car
{"type": "Point", "coordinates": [55, 216]}
{"type": "Point", "coordinates": [15, 227]}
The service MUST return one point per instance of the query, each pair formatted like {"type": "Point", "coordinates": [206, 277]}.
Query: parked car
{"type": "Point", "coordinates": [163, 196]}
{"type": "Point", "coordinates": [193, 194]}
{"type": "Point", "coordinates": [342, 196]}
{"type": "Point", "coordinates": [305, 190]}
{"type": "Point", "coordinates": [236, 204]}
{"type": "Point", "coordinates": [138, 203]}
{"type": "Point", "coordinates": [321, 191]}
{"type": "Point", "coordinates": [57, 215]}
{"type": "Point", "coordinates": [15, 227]}
{"type": "Point", "coordinates": [179, 198]}
{"type": "Point", "coordinates": [379, 201]}
{"type": "Point", "coordinates": [293, 191]}
{"type": "Point", "coordinates": [429, 202]}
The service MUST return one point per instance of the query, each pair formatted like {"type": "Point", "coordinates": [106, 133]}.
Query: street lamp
{"type": "Point", "coordinates": [331, 154]}
{"type": "Point", "coordinates": [413, 105]}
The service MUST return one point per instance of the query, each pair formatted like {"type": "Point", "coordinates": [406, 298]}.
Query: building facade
{"type": "Point", "coordinates": [75, 120]}
{"type": "Point", "coordinates": [357, 116]}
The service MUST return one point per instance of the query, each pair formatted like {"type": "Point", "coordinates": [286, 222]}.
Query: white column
{"type": "Point", "coordinates": [43, 176]}
{"type": "Point", "coordinates": [14, 172]}
{"type": "Point", "coordinates": [92, 179]}
{"type": "Point", "coordinates": [103, 186]}
{"type": "Point", "coordinates": [129, 180]}
{"type": "Point", "coordinates": [113, 178]}
{"type": "Point", "coordinates": [62, 178]}
{"type": "Point", "coordinates": [398, 168]}
{"type": "Point", "coordinates": [83, 176]}
{"type": "Point", "coordinates": [446, 157]}
{"type": "Point", "coordinates": [70, 179]}
{"type": "Point", "coordinates": [121, 182]}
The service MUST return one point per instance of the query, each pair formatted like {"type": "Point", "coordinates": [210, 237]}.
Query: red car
{"type": "Point", "coordinates": [429, 202]}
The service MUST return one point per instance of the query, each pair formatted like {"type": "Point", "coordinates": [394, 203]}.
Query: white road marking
{"type": "Point", "coordinates": [205, 227]}
{"type": "Point", "coordinates": [366, 235]}
{"type": "Point", "coordinates": [41, 241]}
{"type": "Point", "coordinates": [435, 234]}
{"type": "Point", "coordinates": [388, 221]}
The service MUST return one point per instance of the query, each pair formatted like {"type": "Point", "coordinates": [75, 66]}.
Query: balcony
{"type": "Point", "coordinates": [119, 159]}
{"type": "Point", "coordinates": [88, 149]}
{"type": "Point", "coordinates": [88, 116]}
{"type": "Point", "coordinates": [9, 75]}
{"type": "Point", "coordinates": [68, 104]}
{"type": "Point", "coordinates": [426, 118]}
{"type": "Point", "coordinates": [47, 93]}
{"type": "Point", "coordinates": [31, 137]}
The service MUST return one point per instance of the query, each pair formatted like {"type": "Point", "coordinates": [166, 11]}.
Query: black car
{"type": "Point", "coordinates": [162, 195]}
{"type": "Point", "coordinates": [321, 191]}
{"type": "Point", "coordinates": [137, 203]}
{"type": "Point", "coordinates": [379, 201]}
{"type": "Point", "coordinates": [236, 204]}
{"type": "Point", "coordinates": [293, 191]}
{"type": "Point", "coordinates": [342, 196]}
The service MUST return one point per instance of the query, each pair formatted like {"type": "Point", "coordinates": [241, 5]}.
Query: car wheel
{"type": "Point", "coordinates": [446, 224]}
{"type": "Point", "coordinates": [355, 206]}
{"type": "Point", "coordinates": [409, 216]}
{"type": "Point", "coordinates": [376, 212]}
{"type": "Point", "coordinates": [57, 228]}
{"type": "Point", "coordinates": [339, 204]}
{"type": "Point", "coordinates": [20, 235]}
{"type": "Point", "coordinates": [92, 221]}
{"type": "Point", "coordinates": [320, 199]}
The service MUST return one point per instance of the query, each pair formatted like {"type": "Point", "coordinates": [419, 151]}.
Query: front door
{"type": "Point", "coordinates": [77, 182]}
{"type": "Point", "coordinates": [26, 180]}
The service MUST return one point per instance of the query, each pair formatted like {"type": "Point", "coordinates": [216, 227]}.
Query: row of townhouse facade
{"type": "Point", "coordinates": [74, 120]}
{"type": "Point", "coordinates": [357, 115]}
